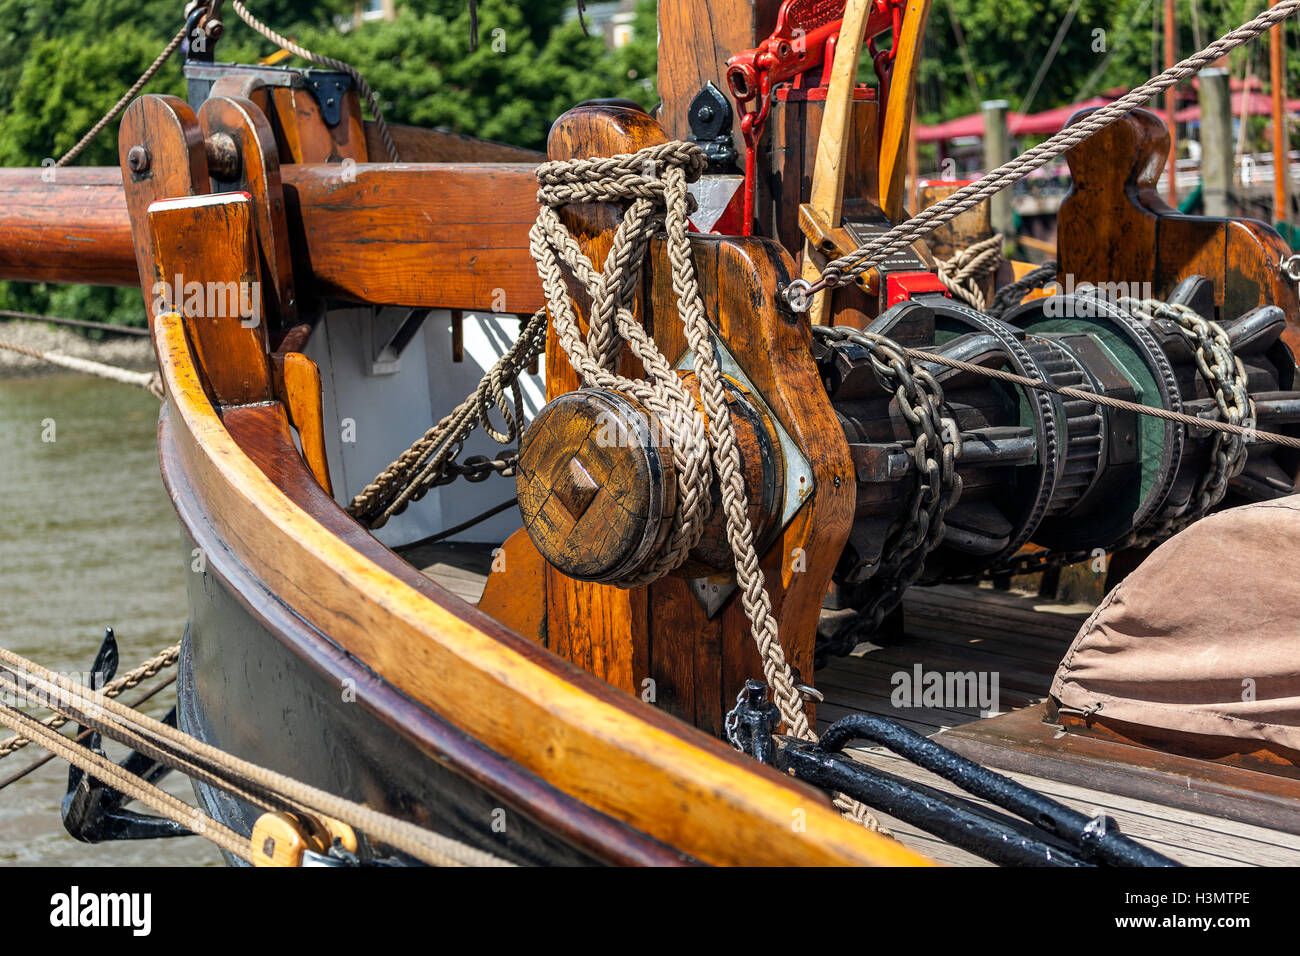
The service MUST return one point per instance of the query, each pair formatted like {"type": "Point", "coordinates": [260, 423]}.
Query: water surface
{"type": "Point", "coordinates": [88, 539]}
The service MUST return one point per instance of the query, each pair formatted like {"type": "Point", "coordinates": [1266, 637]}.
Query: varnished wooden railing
{"type": "Point", "coordinates": [433, 236]}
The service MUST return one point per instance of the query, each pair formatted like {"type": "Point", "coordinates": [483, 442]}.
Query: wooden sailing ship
{"type": "Point", "coordinates": [515, 684]}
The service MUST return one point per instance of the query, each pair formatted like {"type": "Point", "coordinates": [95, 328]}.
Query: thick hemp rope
{"type": "Point", "coordinates": [149, 381]}
{"type": "Point", "coordinates": [964, 272]}
{"type": "Point", "coordinates": [847, 267]}
{"type": "Point", "coordinates": [167, 657]}
{"type": "Point", "coordinates": [180, 751]}
{"type": "Point", "coordinates": [654, 181]}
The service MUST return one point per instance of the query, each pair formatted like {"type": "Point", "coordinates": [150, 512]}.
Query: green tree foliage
{"type": "Point", "coordinates": [1110, 43]}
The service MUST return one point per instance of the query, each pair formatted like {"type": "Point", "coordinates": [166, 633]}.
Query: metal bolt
{"type": "Point", "coordinates": [706, 113]}
{"type": "Point", "coordinates": [138, 159]}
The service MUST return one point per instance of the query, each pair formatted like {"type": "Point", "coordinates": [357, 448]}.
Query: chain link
{"type": "Point", "coordinates": [1226, 378]}
{"type": "Point", "coordinates": [935, 450]}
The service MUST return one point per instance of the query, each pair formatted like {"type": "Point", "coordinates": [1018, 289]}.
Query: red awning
{"type": "Point", "coordinates": [1256, 104]}
{"type": "Point", "coordinates": [972, 125]}
{"type": "Point", "coordinates": [1018, 124]}
{"type": "Point", "coordinates": [1052, 121]}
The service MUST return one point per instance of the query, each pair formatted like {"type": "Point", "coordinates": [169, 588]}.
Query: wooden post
{"type": "Point", "coordinates": [1216, 141]}
{"type": "Point", "coordinates": [1171, 101]}
{"type": "Point", "coordinates": [996, 152]}
{"type": "Point", "coordinates": [1277, 79]}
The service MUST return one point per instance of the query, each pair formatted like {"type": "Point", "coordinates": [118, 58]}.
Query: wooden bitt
{"type": "Point", "coordinates": [1113, 227]}
{"type": "Point", "coordinates": [208, 242]}
{"type": "Point", "coordinates": [254, 168]}
{"type": "Point", "coordinates": [696, 663]}
{"type": "Point", "coordinates": [170, 161]}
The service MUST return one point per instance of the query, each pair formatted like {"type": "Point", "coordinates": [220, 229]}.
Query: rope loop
{"type": "Point", "coordinates": [653, 182]}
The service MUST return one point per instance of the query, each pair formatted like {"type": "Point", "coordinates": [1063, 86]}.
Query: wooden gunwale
{"type": "Point", "coordinates": [603, 748]}
{"type": "Point", "coordinates": [603, 838]}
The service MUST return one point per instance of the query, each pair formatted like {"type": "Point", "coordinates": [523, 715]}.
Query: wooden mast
{"type": "Point", "coordinates": [1277, 80]}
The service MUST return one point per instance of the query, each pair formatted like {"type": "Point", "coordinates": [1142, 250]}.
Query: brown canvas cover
{"type": "Point", "coordinates": [1204, 636]}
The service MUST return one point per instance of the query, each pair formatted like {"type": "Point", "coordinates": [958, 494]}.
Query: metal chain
{"type": "Point", "coordinates": [431, 459]}
{"type": "Point", "coordinates": [1226, 377]}
{"type": "Point", "coordinates": [935, 450]}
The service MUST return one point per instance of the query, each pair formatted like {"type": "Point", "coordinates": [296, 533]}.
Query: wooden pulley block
{"type": "Point", "coordinates": [598, 487]}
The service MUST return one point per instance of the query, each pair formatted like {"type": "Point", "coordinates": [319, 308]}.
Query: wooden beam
{"type": "Point", "coordinates": [427, 236]}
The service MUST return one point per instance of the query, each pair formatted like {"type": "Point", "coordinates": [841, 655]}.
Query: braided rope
{"type": "Point", "coordinates": [327, 61]}
{"type": "Point", "coordinates": [847, 267]}
{"type": "Point", "coordinates": [964, 272]}
{"type": "Point", "coordinates": [654, 181]}
{"type": "Point", "coordinates": [121, 104]}
{"type": "Point", "coordinates": [180, 751]}
{"type": "Point", "coordinates": [131, 679]}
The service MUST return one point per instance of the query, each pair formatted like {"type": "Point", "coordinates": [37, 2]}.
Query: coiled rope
{"type": "Point", "coordinates": [848, 267]}
{"type": "Point", "coordinates": [964, 272]}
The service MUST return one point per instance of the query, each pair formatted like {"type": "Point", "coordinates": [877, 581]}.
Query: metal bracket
{"type": "Point", "coordinates": [328, 86]}
{"type": "Point", "coordinates": [92, 811]}
{"type": "Point", "coordinates": [712, 591]}
{"type": "Point", "coordinates": [710, 119]}
{"type": "Point", "coordinates": [391, 331]}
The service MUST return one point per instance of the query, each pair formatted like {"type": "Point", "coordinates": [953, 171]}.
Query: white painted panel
{"type": "Point", "coordinates": [391, 410]}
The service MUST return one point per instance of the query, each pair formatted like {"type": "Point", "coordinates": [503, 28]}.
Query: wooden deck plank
{"type": "Point", "coordinates": [1022, 638]}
